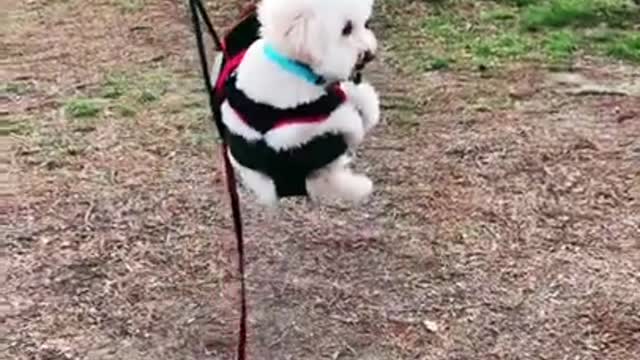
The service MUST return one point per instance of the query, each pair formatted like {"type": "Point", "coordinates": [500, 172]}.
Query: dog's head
{"type": "Point", "coordinates": [331, 36]}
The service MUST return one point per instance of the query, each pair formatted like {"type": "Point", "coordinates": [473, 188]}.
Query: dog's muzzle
{"type": "Point", "coordinates": [365, 58]}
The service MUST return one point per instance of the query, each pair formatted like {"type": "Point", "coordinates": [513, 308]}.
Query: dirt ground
{"type": "Point", "coordinates": [506, 222]}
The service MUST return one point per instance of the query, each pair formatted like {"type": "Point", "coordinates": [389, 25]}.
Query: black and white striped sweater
{"type": "Point", "coordinates": [290, 167]}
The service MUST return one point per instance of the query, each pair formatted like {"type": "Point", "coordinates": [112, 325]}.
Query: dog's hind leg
{"type": "Point", "coordinates": [339, 182]}
{"type": "Point", "coordinates": [262, 187]}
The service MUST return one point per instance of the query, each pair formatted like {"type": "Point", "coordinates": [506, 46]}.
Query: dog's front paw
{"type": "Point", "coordinates": [359, 188]}
{"type": "Point", "coordinates": [340, 184]}
{"type": "Point", "coordinates": [365, 99]}
{"type": "Point", "coordinates": [370, 105]}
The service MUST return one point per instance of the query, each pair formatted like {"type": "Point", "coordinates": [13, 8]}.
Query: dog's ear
{"type": "Point", "coordinates": [297, 36]}
{"type": "Point", "coordinates": [287, 22]}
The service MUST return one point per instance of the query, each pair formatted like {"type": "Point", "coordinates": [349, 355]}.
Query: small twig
{"type": "Point", "coordinates": [627, 116]}
{"type": "Point", "coordinates": [279, 339]}
{"type": "Point", "coordinates": [22, 78]}
{"type": "Point", "coordinates": [595, 90]}
{"type": "Point", "coordinates": [43, 105]}
{"type": "Point", "coordinates": [84, 85]}
{"type": "Point", "coordinates": [140, 27]}
{"type": "Point", "coordinates": [407, 321]}
{"type": "Point", "coordinates": [87, 215]}
{"type": "Point", "coordinates": [386, 147]}
{"type": "Point", "coordinates": [152, 59]}
{"type": "Point", "coordinates": [344, 319]}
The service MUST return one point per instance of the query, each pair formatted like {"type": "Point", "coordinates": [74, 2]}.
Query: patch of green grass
{"type": "Point", "coordinates": [51, 147]}
{"type": "Point", "coordinates": [558, 13]}
{"type": "Point", "coordinates": [83, 108]}
{"type": "Point", "coordinates": [500, 14]}
{"type": "Point", "coordinates": [481, 43]}
{"type": "Point", "coordinates": [144, 88]}
{"type": "Point", "coordinates": [202, 140]}
{"type": "Point", "coordinates": [443, 27]}
{"type": "Point", "coordinates": [439, 64]}
{"type": "Point", "coordinates": [125, 110]}
{"type": "Point", "coordinates": [628, 48]}
{"type": "Point", "coordinates": [57, 151]}
{"type": "Point", "coordinates": [116, 86]}
{"type": "Point", "coordinates": [561, 45]}
{"type": "Point", "coordinates": [151, 87]}
{"type": "Point", "coordinates": [127, 93]}
{"type": "Point", "coordinates": [488, 34]}
{"type": "Point", "coordinates": [130, 5]}
{"type": "Point", "coordinates": [15, 88]}
{"type": "Point", "coordinates": [148, 95]}
{"type": "Point", "coordinates": [16, 127]}
{"type": "Point", "coordinates": [502, 46]}
{"type": "Point", "coordinates": [577, 13]}
{"type": "Point", "coordinates": [519, 3]}
{"type": "Point", "coordinates": [601, 34]}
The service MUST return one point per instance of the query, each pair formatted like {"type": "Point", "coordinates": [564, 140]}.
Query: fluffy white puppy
{"type": "Point", "coordinates": [332, 38]}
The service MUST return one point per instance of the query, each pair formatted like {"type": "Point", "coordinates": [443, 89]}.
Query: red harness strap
{"type": "Point", "coordinates": [228, 69]}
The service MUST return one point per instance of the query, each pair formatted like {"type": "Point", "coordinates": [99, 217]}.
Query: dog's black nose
{"type": "Point", "coordinates": [368, 57]}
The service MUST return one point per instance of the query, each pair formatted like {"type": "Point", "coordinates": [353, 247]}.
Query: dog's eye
{"type": "Point", "coordinates": [367, 24]}
{"type": "Point", "coordinates": [347, 29]}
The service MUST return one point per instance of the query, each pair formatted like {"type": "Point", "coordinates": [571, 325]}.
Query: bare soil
{"type": "Point", "coordinates": [506, 222]}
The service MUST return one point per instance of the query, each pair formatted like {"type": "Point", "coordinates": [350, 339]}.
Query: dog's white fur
{"type": "Point", "coordinates": [310, 31]}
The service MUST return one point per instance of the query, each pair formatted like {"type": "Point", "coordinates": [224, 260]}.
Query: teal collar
{"type": "Point", "coordinates": [293, 66]}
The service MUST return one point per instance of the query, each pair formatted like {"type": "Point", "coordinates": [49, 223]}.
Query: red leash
{"type": "Point", "coordinates": [237, 225]}
{"type": "Point", "coordinates": [198, 12]}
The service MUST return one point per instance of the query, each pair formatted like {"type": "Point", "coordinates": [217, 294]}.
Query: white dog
{"type": "Point", "coordinates": [305, 45]}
